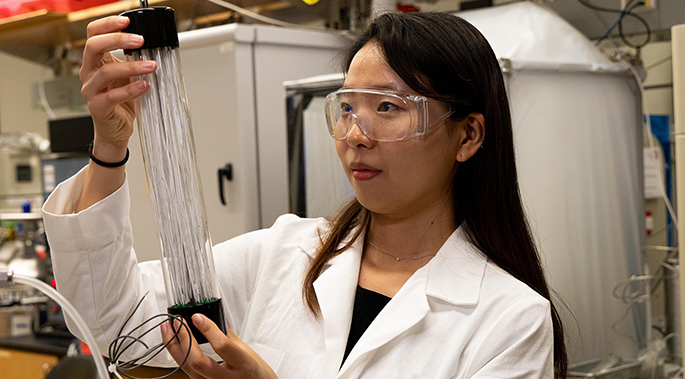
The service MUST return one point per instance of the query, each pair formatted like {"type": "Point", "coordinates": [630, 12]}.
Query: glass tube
{"type": "Point", "coordinates": [168, 149]}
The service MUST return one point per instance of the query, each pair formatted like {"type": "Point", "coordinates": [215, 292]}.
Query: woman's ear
{"type": "Point", "coordinates": [474, 128]}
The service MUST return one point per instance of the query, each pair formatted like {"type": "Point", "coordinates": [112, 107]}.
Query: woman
{"type": "Point", "coordinates": [430, 271]}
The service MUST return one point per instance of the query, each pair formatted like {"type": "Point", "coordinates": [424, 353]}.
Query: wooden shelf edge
{"type": "Point", "coordinates": [109, 9]}
{"type": "Point", "coordinates": [29, 19]}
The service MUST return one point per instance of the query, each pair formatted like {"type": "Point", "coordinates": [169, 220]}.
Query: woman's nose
{"type": "Point", "coordinates": [356, 137]}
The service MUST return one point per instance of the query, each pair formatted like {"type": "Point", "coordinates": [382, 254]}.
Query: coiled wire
{"type": "Point", "coordinates": [123, 342]}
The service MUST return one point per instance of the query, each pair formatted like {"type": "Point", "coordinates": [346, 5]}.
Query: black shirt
{"type": "Point", "coordinates": [367, 305]}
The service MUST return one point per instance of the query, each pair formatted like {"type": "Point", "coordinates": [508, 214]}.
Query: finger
{"type": "Point", "coordinates": [226, 347]}
{"type": "Point", "coordinates": [110, 73]}
{"type": "Point", "coordinates": [103, 105]}
{"type": "Point", "coordinates": [176, 339]}
{"type": "Point", "coordinates": [98, 45]}
{"type": "Point", "coordinates": [199, 362]}
{"type": "Point", "coordinates": [107, 25]}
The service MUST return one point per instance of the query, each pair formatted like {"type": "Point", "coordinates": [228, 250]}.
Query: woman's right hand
{"type": "Point", "coordinates": [107, 87]}
{"type": "Point", "coordinates": [109, 93]}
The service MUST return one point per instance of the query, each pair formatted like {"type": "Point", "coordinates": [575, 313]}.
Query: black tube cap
{"type": "Point", "coordinates": [212, 309]}
{"type": "Point", "coordinates": [155, 24]}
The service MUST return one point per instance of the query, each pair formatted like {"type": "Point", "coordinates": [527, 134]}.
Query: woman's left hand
{"type": "Point", "coordinates": [240, 361]}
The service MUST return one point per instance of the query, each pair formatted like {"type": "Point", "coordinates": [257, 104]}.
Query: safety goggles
{"type": "Point", "coordinates": [381, 115]}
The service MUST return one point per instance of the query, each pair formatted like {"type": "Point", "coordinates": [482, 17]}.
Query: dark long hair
{"type": "Point", "coordinates": [441, 56]}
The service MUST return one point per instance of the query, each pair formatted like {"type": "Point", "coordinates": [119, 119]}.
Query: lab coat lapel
{"type": "Point", "coordinates": [453, 277]}
{"type": "Point", "coordinates": [335, 290]}
{"type": "Point", "coordinates": [408, 307]}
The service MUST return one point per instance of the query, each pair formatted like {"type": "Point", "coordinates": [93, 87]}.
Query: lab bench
{"type": "Point", "coordinates": [30, 357]}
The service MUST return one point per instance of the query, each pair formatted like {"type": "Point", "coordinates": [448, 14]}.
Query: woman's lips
{"type": "Point", "coordinates": [365, 174]}
{"type": "Point", "coordinates": [362, 171]}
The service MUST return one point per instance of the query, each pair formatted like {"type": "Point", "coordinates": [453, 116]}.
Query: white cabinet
{"type": "Point", "coordinates": [234, 78]}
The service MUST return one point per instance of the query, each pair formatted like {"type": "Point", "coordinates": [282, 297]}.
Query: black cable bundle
{"type": "Point", "coordinates": [627, 11]}
{"type": "Point", "coordinates": [119, 345]}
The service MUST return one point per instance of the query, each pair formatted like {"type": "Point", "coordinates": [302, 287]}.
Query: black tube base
{"type": "Point", "coordinates": [212, 309]}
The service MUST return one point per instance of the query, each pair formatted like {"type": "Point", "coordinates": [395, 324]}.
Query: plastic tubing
{"type": "Point", "coordinates": [75, 316]}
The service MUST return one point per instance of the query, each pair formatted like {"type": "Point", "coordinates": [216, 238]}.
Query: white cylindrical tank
{"type": "Point", "coordinates": [578, 138]}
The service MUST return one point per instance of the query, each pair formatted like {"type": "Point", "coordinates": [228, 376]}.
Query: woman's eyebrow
{"type": "Point", "coordinates": [390, 86]}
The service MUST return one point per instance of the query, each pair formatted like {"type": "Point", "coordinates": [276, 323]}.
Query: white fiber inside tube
{"type": "Point", "coordinates": [169, 155]}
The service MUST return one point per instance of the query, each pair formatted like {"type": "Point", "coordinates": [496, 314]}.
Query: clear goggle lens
{"type": "Point", "coordinates": [380, 115]}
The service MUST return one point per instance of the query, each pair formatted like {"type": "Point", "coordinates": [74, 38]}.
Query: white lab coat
{"type": "Point", "coordinates": [459, 316]}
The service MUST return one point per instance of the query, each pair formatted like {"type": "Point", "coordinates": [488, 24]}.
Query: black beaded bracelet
{"type": "Point", "coordinates": [105, 164]}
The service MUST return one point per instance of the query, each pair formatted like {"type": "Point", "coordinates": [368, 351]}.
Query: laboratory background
{"type": "Point", "coordinates": [597, 93]}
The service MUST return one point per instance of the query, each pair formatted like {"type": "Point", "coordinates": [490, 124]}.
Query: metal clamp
{"type": "Point", "coordinates": [6, 277]}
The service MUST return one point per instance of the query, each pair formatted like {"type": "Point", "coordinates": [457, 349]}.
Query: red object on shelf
{"type": "Point", "coordinates": [41, 252]}
{"type": "Point", "coordinates": [408, 8]}
{"type": "Point", "coordinates": [10, 8]}
{"type": "Point", "coordinates": [649, 223]}
{"type": "Point", "coordinates": [85, 349]}
{"type": "Point", "coordinates": [75, 5]}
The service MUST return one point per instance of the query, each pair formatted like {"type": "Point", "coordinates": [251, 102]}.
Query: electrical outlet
{"type": "Point", "coordinates": [650, 5]}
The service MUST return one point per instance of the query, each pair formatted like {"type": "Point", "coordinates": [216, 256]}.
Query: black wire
{"type": "Point", "coordinates": [661, 331]}
{"type": "Point", "coordinates": [138, 339]}
{"type": "Point", "coordinates": [623, 12]}
{"type": "Point", "coordinates": [647, 29]}
{"type": "Point", "coordinates": [113, 346]}
{"type": "Point", "coordinates": [168, 318]}
{"type": "Point", "coordinates": [156, 350]}
{"type": "Point", "coordinates": [117, 349]}
{"type": "Point", "coordinates": [629, 8]}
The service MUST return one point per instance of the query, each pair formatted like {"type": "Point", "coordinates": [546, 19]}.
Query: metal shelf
{"type": "Point", "coordinates": [21, 216]}
{"type": "Point", "coordinates": [43, 28]}
{"type": "Point", "coordinates": [34, 35]}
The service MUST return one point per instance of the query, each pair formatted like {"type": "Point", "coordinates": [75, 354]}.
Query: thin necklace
{"type": "Point", "coordinates": [399, 259]}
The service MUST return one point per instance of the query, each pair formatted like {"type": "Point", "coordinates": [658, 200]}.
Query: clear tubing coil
{"type": "Point", "coordinates": [75, 317]}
